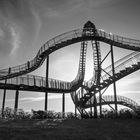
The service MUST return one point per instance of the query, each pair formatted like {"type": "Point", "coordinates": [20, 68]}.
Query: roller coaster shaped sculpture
{"type": "Point", "coordinates": [83, 93]}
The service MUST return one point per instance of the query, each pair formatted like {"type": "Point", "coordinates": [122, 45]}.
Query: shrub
{"type": "Point", "coordinates": [125, 113]}
{"type": "Point", "coordinates": [70, 115]}
{"type": "Point", "coordinates": [20, 114]}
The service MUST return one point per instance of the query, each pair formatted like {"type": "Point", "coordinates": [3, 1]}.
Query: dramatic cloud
{"type": "Point", "coordinates": [5, 37]}
{"type": "Point", "coordinates": [19, 25]}
{"type": "Point", "coordinates": [21, 20]}
{"type": "Point", "coordinates": [15, 40]}
{"type": "Point", "coordinates": [1, 33]}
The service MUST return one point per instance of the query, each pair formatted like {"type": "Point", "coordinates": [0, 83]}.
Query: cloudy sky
{"type": "Point", "coordinates": [25, 25]}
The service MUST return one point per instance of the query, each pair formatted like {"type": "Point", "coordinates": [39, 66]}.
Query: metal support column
{"type": "Point", "coordinates": [95, 107]}
{"type": "Point", "coordinates": [82, 93]}
{"type": "Point", "coordinates": [91, 112]}
{"type": "Point", "coordinates": [47, 75]}
{"type": "Point", "coordinates": [75, 111]}
{"type": "Point", "coordinates": [63, 105]}
{"type": "Point", "coordinates": [16, 100]}
{"type": "Point", "coordinates": [99, 77]}
{"type": "Point", "coordinates": [100, 100]}
{"type": "Point", "coordinates": [114, 83]}
{"type": "Point", "coordinates": [4, 94]}
{"type": "Point", "coordinates": [75, 106]}
{"type": "Point", "coordinates": [46, 101]}
{"type": "Point", "coordinates": [3, 102]}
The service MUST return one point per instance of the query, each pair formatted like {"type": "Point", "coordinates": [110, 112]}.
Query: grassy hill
{"type": "Point", "coordinates": [80, 129]}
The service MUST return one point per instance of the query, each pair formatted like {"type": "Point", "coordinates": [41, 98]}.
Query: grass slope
{"type": "Point", "coordinates": [85, 129]}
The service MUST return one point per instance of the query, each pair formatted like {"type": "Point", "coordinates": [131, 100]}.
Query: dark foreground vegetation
{"type": "Point", "coordinates": [40, 125]}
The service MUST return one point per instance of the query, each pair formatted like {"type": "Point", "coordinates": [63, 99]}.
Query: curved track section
{"type": "Point", "coordinates": [65, 40]}
{"type": "Point", "coordinates": [15, 72]}
{"type": "Point", "coordinates": [123, 68]}
{"type": "Point", "coordinates": [121, 100]}
{"type": "Point", "coordinates": [38, 83]}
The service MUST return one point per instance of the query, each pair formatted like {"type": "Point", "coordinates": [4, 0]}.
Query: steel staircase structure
{"type": "Point", "coordinates": [82, 92]}
{"type": "Point", "coordinates": [123, 68]}
{"type": "Point", "coordinates": [109, 99]}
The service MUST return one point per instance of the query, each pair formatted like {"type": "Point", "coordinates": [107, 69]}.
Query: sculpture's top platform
{"type": "Point", "coordinates": [89, 24]}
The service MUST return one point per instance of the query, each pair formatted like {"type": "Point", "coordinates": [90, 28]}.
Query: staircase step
{"type": "Point", "coordinates": [102, 84]}
{"type": "Point", "coordinates": [107, 81]}
{"type": "Point", "coordinates": [111, 78]}
{"type": "Point", "coordinates": [69, 41]}
{"type": "Point", "coordinates": [128, 68]}
{"type": "Point", "coordinates": [138, 63]}
{"type": "Point", "coordinates": [118, 75]}
{"type": "Point", "coordinates": [123, 71]}
{"type": "Point", "coordinates": [134, 65]}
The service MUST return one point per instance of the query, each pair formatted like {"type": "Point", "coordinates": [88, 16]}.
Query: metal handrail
{"type": "Point", "coordinates": [37, 61]}
{"type": "Point", "coordinates": [133, 59]}
{"type": "Point", "coordinates": [110, 98]}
